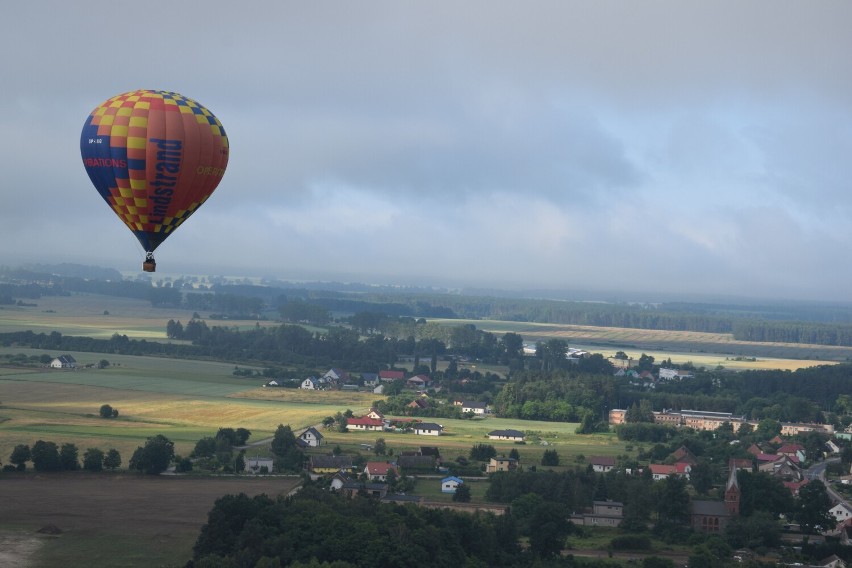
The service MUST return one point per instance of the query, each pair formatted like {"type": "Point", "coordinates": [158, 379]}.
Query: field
{"type": "Point", "coordinates": [112, 520]}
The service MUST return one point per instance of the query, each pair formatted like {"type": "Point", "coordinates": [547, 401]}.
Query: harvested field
{"type": "Point", "coordinates": [112, 520]}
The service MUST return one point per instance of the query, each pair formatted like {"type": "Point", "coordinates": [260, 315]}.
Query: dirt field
{"type": "Point", "coordinates": [111, 520]}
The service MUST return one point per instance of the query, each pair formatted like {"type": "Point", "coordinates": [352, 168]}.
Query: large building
{"type": "Point", "coordinates": [704, 420]}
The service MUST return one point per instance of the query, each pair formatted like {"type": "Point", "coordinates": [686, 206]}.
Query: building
{"type": "Point", "coordinates": [602, 464]}
{"type": "Point", "coordinates": [378, 471]}
{"type": "Point", "coordinates": [602, 514]}
{"type": "Point", "coordinates": [330, 464]}
{"type": "Point", "coordinates": [513, 435]}
{"type": "Point", "coordinates": [310, 383]}
{"type": "Point", "coordinates": [450, 484]}
{"type": "Point", "coordinates": [501, 464]}
{"type": "Point", "coordinates": [64, 362]}
{"type": "Point", "coordinates": [428, 429]}
{"type": "Point", "coordinates": [312, 437]}
{"type": "Point", "coordinates": [365, 423]}
{"type": "Point", "coordinates": [476, 408]}
{"type": "Point", "coordinates": [617, 416]}
{"type": "Point", "coordinates": [713, 516]}
{"type": "Point", "coordinates": [391, 376]}
{"type": "Point", "coordinates": [841, 512]}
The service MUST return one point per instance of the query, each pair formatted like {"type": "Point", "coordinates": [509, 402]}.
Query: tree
{"type": "Point", "coordinates": [93, 459]}
{"type": "Point", "coordinates": [811, 509]}
{"type": "Point", "coordinates": [45, 456]}
{"type": "Point", "coordinates": [112, 459]}
{"type": "Point", "coordinates": [103, 364]}
{"type": "Point", "coordinates": [20, 456]}
{"type": "Point", "coordinates": [701, 477]}
{"type": "Point", "coordinates": [551, 526]}
{"type": "Point", "coordinates": [550, 457]}
{"type": "Point", "coordinates": [68, 457]}
{"type": "Point", "coordinates": [289, 456]}
{"type": "Point", "coordinates": [462, 494]}
{"type": "Point", "coordinates": [108, 411]}
{"type": "Point", "coordinates": [154, 457]}
{"type": "Point", "coordinates": [379, 447]}
{"type": "Point", "coordinates": [482, 452]}
{"type": "Point", "coordinates": [205, 447]}
{"type": "Point", "coordinates": [672, 502]}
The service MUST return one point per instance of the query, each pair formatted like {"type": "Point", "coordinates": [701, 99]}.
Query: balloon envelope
{"type": "Point", "coordinates": [155, 157]}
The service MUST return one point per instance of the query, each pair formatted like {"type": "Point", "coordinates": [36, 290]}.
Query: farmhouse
{"type": "Point", "coordinates": [312, 437]}
{"type": "Point", "coordinates": [64, 362]}
{"type": "Point", "coordinates": [311, 383]}
{"type": "Point", "coordinates": [514, 435]}
{"type": "Point", "coordinates": [428, 429]}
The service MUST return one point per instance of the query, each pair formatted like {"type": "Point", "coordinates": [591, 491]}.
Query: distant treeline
{"type": "Point", "coordinates": [814, 323]}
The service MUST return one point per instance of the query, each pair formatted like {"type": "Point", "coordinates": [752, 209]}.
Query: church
{"type": "Point", "coordinates": [713, 516]}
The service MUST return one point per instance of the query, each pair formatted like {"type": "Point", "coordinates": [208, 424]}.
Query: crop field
{"type": "Point", "coordinates": [112, 520]}
{"type": "Point", "coordinates": [185, 400]}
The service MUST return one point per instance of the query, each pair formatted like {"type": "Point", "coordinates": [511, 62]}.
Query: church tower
{"type": "Point", "coordinates": [732, 494]}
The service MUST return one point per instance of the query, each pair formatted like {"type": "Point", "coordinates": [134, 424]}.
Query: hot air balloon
{"type": "Point", "coordinates": [155, 157]}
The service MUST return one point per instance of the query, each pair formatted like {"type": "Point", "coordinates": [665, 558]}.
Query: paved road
{"type": "Point", "coordinates": [817, 471]}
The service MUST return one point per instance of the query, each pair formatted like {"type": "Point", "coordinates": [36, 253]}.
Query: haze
{"type": "Point", "coordinates": [638, 146]}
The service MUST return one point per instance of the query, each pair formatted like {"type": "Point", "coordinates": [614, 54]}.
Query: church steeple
{"type": "Point", "coordinates": [732, 494]}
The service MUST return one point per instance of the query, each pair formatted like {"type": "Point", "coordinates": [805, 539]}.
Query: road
{"type": "Point", "coordinates": [817, 471]}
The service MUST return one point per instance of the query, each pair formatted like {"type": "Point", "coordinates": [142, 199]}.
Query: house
{"type": "Point", "coordinates": [259, 465]}
{"type": "Point", "coordinates": [796, 452]}
{"type": "Point", "coordinates": [365, 423]}
{"type": "Point", "coordinates": [378, 471]}
{"type": "Point", "coordinates": [418, 382]}
{"type": "Point", "coordinates": [514, 435]}
{"type": "Point", "coordinates": [501, 464]}
{"type": "Point", "coordinates": [351, 487]}
{"type": "Point", "coordinates": [428, 429]}
{"type": "Point", "coordinates": [741, 463]}
{"type": "Point", "coordinates": [475, 408]}
{"type": "Point", "coordinates": [419, 403]}
{"type": "Point", "coordinates": [311, 383]}
{"type": "Point", "coordinates": [330, 464]}
{"type": "Point", "coordinates": [450, 484]}
{"type": "Point", "coordinates": [370, 379]}
{"type": "Point", "coordinates": [602, 514]}
{"type": "Point", "coordinates": [783, 468]}
{"type": "Point", "coordinates": [336, 376]}
{"type": "Point", "coordinates": [674, 374]}
{"type": "Point", "coordinates": [312, 437]}
{"type": "Point", "coordinates": [841, 511]}
{"type": "Point", "coordinates": [375, 414]}
{"type": "Point", "coordinates": [832, 561]}
{"type": "Point", "coordinates": [831, 447]}
{"type": "Point", "coordinates": [684, 455]}
{"type": "Point", "coordinates": [662, 471]}
{"type": "Point", "coordinates": [391, 376]}
{"type": "Point", "coordinates": [602, 464]}
{"type": "Point", "coordinates": [64, 362]}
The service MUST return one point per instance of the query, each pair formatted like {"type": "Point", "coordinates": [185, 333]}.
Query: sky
{"type": "Point", "coordinates": [662, 147]}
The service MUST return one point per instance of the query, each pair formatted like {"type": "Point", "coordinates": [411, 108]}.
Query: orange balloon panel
{"type": "Point", "coordinates": [155, 157]}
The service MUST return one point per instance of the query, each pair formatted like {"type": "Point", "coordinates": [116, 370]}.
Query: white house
{"type": "Point", "coordinates": [428, 429]}
{"type": "Point", "coordinates": [841, 511]}
{"type": "Point", "coordinates": [64, 362]}
{"type": "Point", "coordinates": [312, 437]}
{"type": "Point", "coordinates": [477, 408]}
{"type": "Point", "coordinates": [257, 465]}
{"type": "Point", "coordinates": [311, 383]}
{"type": "Point", "coordinates": [450, 484]}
